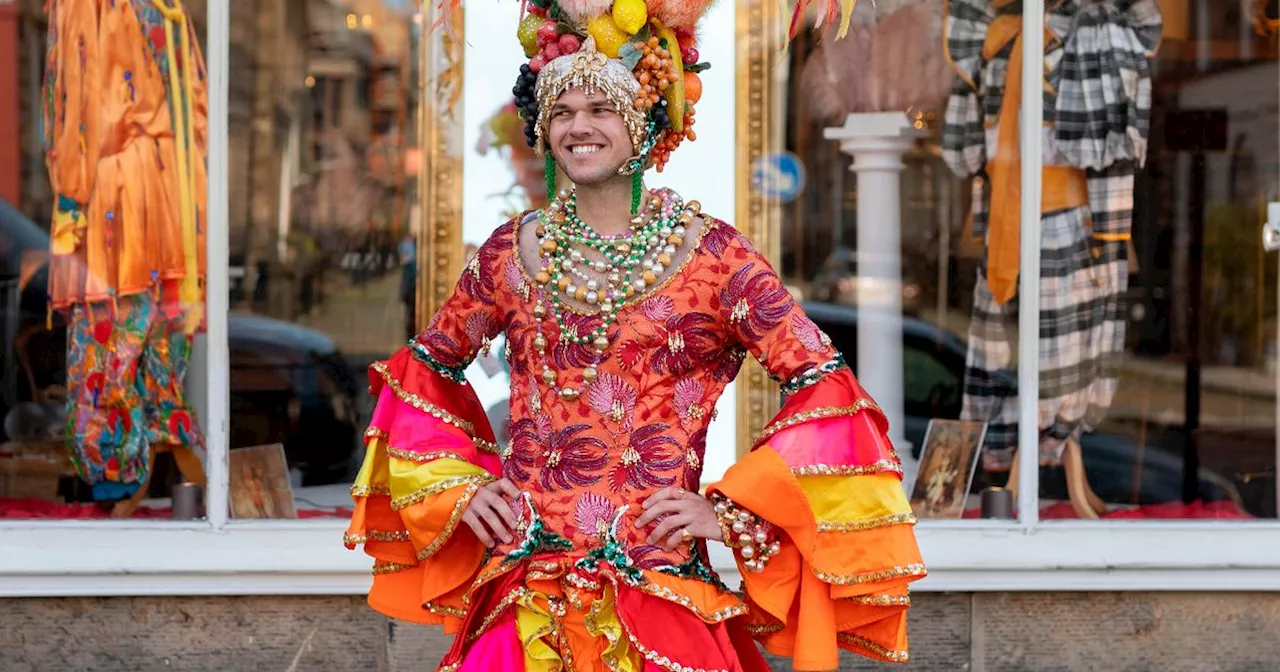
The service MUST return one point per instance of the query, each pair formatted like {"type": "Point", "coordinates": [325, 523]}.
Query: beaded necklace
{"type": "Point", "coordinates": [609, 282]}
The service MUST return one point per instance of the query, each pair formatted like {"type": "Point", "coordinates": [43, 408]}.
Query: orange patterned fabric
{"type": "Point", "coordinates": [112, 147]}
{"type": "Point", "coordinates": [587, 464]}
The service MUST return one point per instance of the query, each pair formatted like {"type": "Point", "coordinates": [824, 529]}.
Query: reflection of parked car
{"type": "Point", "coordinates": [289, 384]}
{"type": "Point", "coordinates": [933, 379]}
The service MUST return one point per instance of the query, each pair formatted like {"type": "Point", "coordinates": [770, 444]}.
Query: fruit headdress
{"type": "Point", "coordinates": [640, 54]}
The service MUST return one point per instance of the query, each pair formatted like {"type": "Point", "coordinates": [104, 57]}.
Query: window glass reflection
{"type": "Point", "coordinates": [323, 197]}
{"type": "Point", "coordinates": [103, 120]}
{"type": "Point", "coordinates": [1191, 432]}
{"type": "Point", "coordinates": [878, 241]}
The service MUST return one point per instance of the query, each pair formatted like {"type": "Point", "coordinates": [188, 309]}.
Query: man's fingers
{"type": "Point", "coordinates": [669, 525]}
{"type": "Point", "coordinates": [508, 488]}
{"type": "Point", "coordinates": [674, 539]}
{"type": "Point", "coordinates": [492, 500]}
{"type": "Point", "coordinates": [657, 510]}
{"type": "Point", "coordinates": [494, 520]}
{"type": "Point", "coordinates": [478, 528]}
{"type": "Point", "coordinates": [663, 494]}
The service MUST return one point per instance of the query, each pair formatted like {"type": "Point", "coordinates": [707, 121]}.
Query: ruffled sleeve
{"type": "Point", "coordinates": [429, 449]}
{"type": "Point", "coordinates": [823, 474]}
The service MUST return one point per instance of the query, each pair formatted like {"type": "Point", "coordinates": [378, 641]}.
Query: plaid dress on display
{"type": "Point", "coordinates": [1097, 102]}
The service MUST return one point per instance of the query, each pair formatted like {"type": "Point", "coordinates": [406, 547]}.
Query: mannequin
{"type": "Point", "coordinates": [125, 139]}
{"type": "Point", "coordinates": [1094, 140]}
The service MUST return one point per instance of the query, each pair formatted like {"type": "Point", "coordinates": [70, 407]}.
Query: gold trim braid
{"type": "Point", "coordinates": [882, 466]}
{"type": "Point", "coordinates": [816, 414]}
{"type": "Point", "coordinates": [862, 525]}
{"type": "Point", "coordinates": [375, 535]}
{"type": "Point", "coordinates": [876, 650]}
{"type": "Point", "coordinates": [872, 577]}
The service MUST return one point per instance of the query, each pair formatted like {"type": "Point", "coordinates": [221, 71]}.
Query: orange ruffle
{"type": "Point", "coordinates": [848, 549]}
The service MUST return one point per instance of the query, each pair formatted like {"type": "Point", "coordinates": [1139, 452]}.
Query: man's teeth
{"type": "Point", "coordinates": [586, 149]}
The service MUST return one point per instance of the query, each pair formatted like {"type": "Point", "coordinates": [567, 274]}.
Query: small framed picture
{"type": "Point", "coordinates": [947, 465]}
{"type": "Point", "coordinates": [260, 483]}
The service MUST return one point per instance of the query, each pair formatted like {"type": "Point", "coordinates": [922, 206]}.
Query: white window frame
{"type": "Point", "coordinates": [223, 557]}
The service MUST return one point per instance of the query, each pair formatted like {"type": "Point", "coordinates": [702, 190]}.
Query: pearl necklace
{"type": "Point", "coordinates": [652, 244]}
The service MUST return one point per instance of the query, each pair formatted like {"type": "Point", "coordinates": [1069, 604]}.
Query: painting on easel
{"type": "Point", "coordinates": [947, 465]}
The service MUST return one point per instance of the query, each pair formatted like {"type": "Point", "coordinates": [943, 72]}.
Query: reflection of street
{"type": "Point", "coordinates": [364, 321]}
{"type": "Point", "coordinates": [1154, 391]}
{"type": "Point", "coordinates": [1234, 397]}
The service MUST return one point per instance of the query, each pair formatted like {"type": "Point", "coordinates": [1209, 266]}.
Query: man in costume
{"type": "Point", "coordinates": [582, 544]}
{"type": "Point", "coordinates": [124, 125]}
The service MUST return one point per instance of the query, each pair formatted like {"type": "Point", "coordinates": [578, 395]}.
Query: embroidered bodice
{"type": "Point", "coordinates": [642, 424]}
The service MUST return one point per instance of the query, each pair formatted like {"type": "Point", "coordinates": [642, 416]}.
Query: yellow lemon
{"type": "Point", "coordinates": [630, 15]}
{"type": "Point", "coordinates": [609, 37]}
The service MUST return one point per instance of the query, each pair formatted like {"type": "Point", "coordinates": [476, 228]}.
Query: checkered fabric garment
{"type": "Point", "coordinates": [1096, 113]}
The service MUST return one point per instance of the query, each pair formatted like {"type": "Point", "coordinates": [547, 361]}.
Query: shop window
{"type": "Point", "coordinates": [322, 257]}
{"type": "Point", "coordinates": [874, 234]}
{"type": "Point", "coordinates": [1185, 425]}
{"type": "Point", "coordinates": [93, 264]}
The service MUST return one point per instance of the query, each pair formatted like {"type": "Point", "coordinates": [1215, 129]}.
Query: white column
{"type": "Point", "coordinates": [877, 141]}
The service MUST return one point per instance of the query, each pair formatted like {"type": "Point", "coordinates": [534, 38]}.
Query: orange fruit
{"type": "Point", "coordinates": [692, 87]}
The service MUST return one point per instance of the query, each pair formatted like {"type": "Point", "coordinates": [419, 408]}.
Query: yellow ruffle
{"type": "Point", "coordinates": [534, 623]}
{"type": "Point", "coordinates": [537, 619]}
{"type": "Point", "coordinates": [862, 500]}
{"type": "Point", "coordinates": [409, 481]}
{"type": "Point", "coordinates": [603, 621]}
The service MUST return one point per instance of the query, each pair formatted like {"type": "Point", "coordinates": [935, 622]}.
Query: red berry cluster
{"type": "Point", "coordinates": [670, 140]}
{"type": "Point", "coordinates": [553, 45]}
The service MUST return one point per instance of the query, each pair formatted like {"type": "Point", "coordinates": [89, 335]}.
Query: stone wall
{"type": "Point", "coordinates": [984, 632]}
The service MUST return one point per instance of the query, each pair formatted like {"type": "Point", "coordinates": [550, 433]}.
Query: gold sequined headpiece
{"type": "Point", "coordinates": [640, 54]}
{"type": "Point", "coordinates": [592, 71]}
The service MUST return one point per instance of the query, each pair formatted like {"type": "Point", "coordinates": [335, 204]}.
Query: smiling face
{"type": "Point", "coordinates": [588, 137]}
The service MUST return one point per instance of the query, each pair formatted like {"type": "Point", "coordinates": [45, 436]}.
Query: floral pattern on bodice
{"type": "Point", "coordinates": [642, 424]}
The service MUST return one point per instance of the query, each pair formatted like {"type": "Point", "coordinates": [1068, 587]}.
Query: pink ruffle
{"type": "Point", "coordinates": [844, 442]}
{"type": "Point", "coordinates": [497, 649]}
{"type": "Point", "coordinates": [410, 429]}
